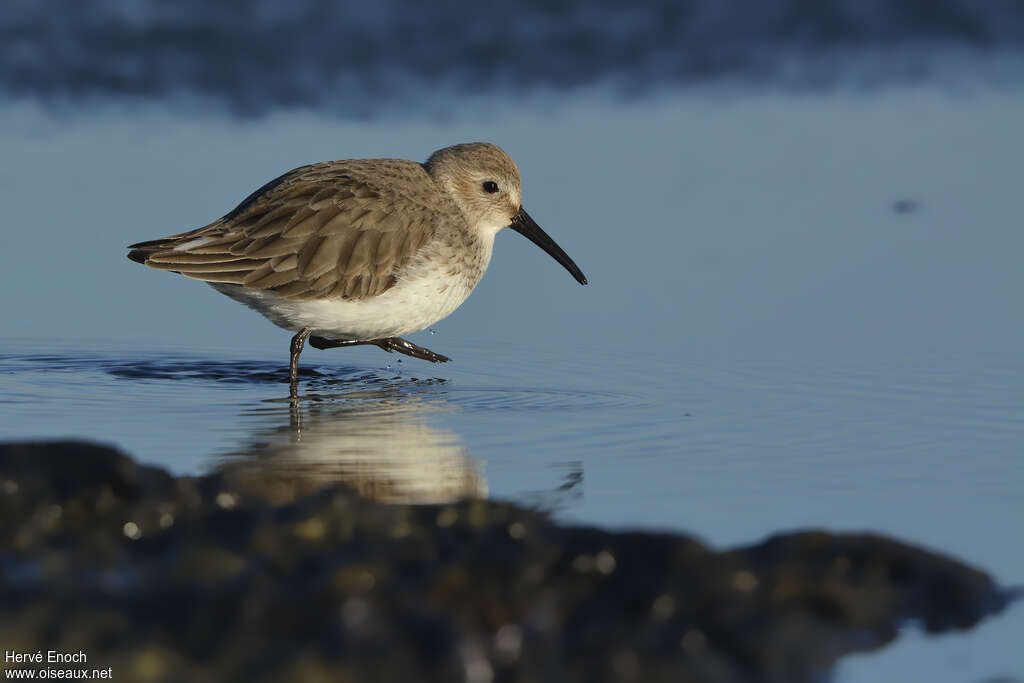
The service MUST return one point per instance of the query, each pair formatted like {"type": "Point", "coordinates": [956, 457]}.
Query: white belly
{"type": "Point", "coordinates": [417, 301]}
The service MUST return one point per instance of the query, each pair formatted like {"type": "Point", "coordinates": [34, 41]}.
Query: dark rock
{"type": "Point", "coordinates": [198, 579]}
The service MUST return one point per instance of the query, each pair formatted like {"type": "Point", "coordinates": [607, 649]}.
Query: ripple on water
{"type": "Point", "coordinates": [529, 399]}
{"type": "Point", "coordinates": [323, 383]}
{"type": "Point", "coordinates": [196, 369]}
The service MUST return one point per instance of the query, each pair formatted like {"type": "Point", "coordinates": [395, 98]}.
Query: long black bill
{"type": "Point", "coordinates": [524, 225]}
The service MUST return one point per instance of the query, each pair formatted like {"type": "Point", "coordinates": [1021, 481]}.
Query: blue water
{"type": "Point", "coordinates": [805, 300]}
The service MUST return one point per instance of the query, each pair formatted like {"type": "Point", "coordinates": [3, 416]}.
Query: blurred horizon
{"type": "Point", "coordinates": [251, 57]}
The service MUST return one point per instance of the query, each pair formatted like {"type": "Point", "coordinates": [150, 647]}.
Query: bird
{"type": "Point", "coordinates": [360, 251]}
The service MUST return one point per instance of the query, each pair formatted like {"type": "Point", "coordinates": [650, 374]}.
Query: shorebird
{"type": "Point", "coordinates": [360, 251]}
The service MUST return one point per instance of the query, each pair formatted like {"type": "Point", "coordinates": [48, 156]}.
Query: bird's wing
{"type": "Point", "coordinates": [329, 230]}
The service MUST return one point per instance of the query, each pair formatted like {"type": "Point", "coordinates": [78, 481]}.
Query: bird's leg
{"type": "Point", "coordinates": [389, 344]}
{"type": "Point", "coordinates": [324, 343]}
{"type": "Point", "coordinates": [298, 341]}
{"type": "Point", "coordinates": [409, 349]}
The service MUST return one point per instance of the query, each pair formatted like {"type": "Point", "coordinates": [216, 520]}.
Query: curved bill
{"type": "Point", "coordinates": [524, 225]}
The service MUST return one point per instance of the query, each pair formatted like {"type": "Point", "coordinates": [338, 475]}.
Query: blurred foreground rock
{"type": "Point", "coordinates": [216, 578]}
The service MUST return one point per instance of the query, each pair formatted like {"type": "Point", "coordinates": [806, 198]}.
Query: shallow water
{"type": "Point", "coordinates": [820, 328]}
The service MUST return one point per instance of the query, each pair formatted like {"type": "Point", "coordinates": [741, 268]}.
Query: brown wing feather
{"type": "Point", "coordinates": [336, 229]}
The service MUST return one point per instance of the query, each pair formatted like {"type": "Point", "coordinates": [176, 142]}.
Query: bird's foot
{"type": "Point", "coordinates": [409, 349]}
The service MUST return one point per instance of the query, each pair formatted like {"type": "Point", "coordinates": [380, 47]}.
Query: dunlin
{"type": "Point", "coordinates": [360, 251]}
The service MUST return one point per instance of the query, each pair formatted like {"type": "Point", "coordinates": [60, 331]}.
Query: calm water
{"type": "Point", "coordinates": [805, 311]}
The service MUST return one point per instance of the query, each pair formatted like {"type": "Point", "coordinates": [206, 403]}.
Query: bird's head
{"type": "Point", "coordinates": [484, 183]}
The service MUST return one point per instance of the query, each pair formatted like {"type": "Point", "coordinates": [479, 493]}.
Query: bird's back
{"type": "Point", "coordinates": [336, 229]}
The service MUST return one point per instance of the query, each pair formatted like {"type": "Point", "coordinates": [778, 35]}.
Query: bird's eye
{"type": "Point", "coordinates": [490, 186]}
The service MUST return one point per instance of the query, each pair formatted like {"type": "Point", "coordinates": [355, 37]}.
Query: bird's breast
{"type": "Point", "coordinates": [439, 279]}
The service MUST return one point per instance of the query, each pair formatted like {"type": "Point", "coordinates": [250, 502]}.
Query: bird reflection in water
{"type": "Point", "coordinates": [377, 442]}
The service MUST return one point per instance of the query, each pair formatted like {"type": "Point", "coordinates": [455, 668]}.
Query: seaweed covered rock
{"type": "Point", "coordinates": [212, 578]}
